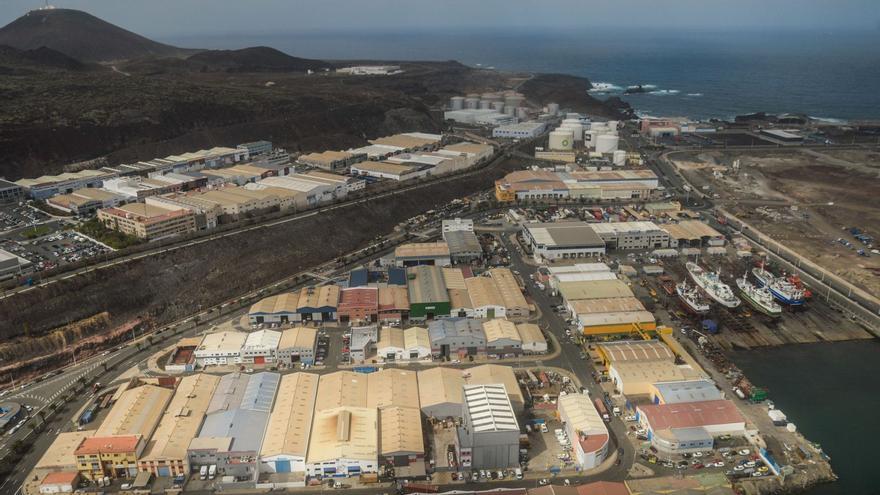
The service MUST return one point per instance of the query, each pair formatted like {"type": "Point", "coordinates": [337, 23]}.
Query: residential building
{"type": "Point", "coordinates": [563, 240]}
{"type": "Point", "coordinates": [166, 452]}
{"type": "Point", "coordinates": [428, 298]}
{"type": "Point", "coordinates": [220, 348]}
{"type": "Point", "coordinates": [286, 444]}
{"type": "Point", "coordinates": [359, 305]}
{"type": "Point", "coordinates": [297, 345]}
{"type": "Point", "coordinates": [585, 428]}
{"type": "Point", "coordinates": [113, 456]}
{"type": "Point", "coordinates": [260, 347]}
{"type": "Point", "coordinates": [488, 437]}
{"type": "Point", "coordinates": [278, 309]}
{"type": "Point", "coordinates": [422, 253]}
{"type": "Point", "coordinates": [502, 337]}
{"type": "Point", "coordinates": [147, 221]}
{"type": "Point", "coordinates": [456, 338]}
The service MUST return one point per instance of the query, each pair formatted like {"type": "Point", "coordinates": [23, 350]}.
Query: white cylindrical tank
{"type": "Point", "coordinates": [456, 102]}
{"type": "Point", "coordinates": [591, 137]}
{"type": "Point", "coordinates": [471, 103]}
{"type": "Point", "coordinates": [510, 110]}
{"type": "Point", "coordinates": [577, 130]}
{"type": "Point", "coordinates": [498, 106]}
{"type": "Point", "coordinates": [485, 105]}
{"type": "Point", "coordinates": [561, 140]}
{"type": "Point", "coordinates": [522, 113]}
{"type": "Point", "coordinates": [573, 116]}
{"type": "Point", "coordinates": [515, 100]}
{"type": "Point", "coordinates": [553, 108]}
{"type": "Point", "coordinates": [612, 124]}
{"type": "Point", "coordinates": [606, 143]}
{"type": "Point", "coordinates": [619, 158]}
{"type": "Point", "coordinates": [571, 121]}
{"type": "Point", "coordinates": [598, 126]}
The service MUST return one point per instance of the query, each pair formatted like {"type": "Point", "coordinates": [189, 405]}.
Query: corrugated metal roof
{"type": "Point", "coordinates": [489, 408]}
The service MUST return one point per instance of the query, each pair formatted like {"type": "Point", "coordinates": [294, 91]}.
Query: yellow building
{"type": "Point", "coordinates": [148, 221]}
{"type": "Point", "coordinates": [114, 456]}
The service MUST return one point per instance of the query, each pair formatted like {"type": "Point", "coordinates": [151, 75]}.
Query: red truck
{"type": "Point", "coordinates": [602, 410]}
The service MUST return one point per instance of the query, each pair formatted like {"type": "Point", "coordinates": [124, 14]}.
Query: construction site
{"type": "Point", "coordinates": [820, 203]}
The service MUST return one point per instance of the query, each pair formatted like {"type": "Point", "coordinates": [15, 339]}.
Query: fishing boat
{"type": "Point", "coordinates": [783, 290]}
{"type": "Point", "coordinates": [758, 297]}
{"type": "Point", "coordinates": [691, 299]}
{"type": "Point", "coordinates": [711, 284]}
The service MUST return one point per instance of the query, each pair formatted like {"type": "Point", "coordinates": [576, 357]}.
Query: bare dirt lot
{"type": "Point", "coordinates": [807, 199]}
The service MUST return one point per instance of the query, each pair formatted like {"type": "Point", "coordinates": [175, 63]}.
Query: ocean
{"type": "Point", "coordinates": [829, 391]}
{"type": "Point", "coordinates": [701, 75]}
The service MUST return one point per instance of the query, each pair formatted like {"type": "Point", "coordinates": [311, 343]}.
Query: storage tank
{"type": "Point", "coordinates": [485, 105]}
{"type": "Point", "coordinates": [522, 113]}
{"type": "Point", "coordinates": [471, 103]}
{"type": "Point", "coordinates": [553, 108]}
{"type": "Point", "coordinates": [573, 116]}
{"type": "Point", "coordinates": [577, 130]}
{"type": "Point", "coordinates": [619, 158]}
{"type": "Point", "coordinates": [498, 106]}
{"type": "Point", "coordinates": [510, 110]}
{"type": "Point", "coordinates": [515, 100]}
{"type": "Point", "coordinates": [612, 124]}
{"type": "Point", "coordinates": [606, 143]}
{"type": "Point", "coordinates": [560, 140]}
{"type": "Point", "coordinates": [591, 137]}
{"type": "Point", "coordinates": [456, 102]}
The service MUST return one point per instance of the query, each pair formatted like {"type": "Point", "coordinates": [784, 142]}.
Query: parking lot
{"type": "Point", "coordinates": [55, 247]}
{"type": "Point", "coordinates": [15, 216]}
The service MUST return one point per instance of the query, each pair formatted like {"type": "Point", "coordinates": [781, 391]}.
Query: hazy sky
{"type": "Point", "coordinates": [179, 18]}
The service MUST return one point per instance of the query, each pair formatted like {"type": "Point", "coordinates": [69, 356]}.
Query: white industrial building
{"type": "Point", "coordinates": [220, 348]}
{"type": "Point", "coordinates": [488, 437]}
{"type": "Point", "coordinates": [632, 235]}
{"type": "Point", "coordinates": [565, 240]}
{"type": "Point", "coordinates": [479, 116]}
{"type": "Point", "coordinates": [260, 347]}
{"type": "Point", "coordinates": [290, 425]}
{"type": "Point", "coordinates": [457, 225]}
{"type": "Point", "coordinates": [522, 130]}
{"type": "Point", "coordinates": [585, 428]}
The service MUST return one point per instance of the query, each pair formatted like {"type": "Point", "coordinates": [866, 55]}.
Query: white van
{"type": "Point", "coordinates": [203, 473]}
{"type": "Point", "coordinates": [212, 471]}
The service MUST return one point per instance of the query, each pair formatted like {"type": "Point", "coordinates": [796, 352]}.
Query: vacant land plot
{"type": "Point", "coordinates": [809, 200]}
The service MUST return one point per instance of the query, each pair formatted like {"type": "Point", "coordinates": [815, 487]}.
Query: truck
{"type": "Point", "coordinates": [603, 411]}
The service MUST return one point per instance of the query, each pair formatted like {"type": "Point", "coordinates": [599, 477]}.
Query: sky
{"type": "Point", "coordinates": [181, 18]}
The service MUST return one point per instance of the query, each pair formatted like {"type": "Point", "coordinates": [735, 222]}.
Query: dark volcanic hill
{"type": "Point", "coordinates": [82, 36]}
{"type": "Point", "coordinates": [13, 60]}
{"type": "Point", "coordinates": [253, 59]}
